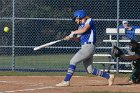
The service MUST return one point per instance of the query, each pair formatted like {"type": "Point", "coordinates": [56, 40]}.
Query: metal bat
{"type": "Point", "coordinates": [47, 44]}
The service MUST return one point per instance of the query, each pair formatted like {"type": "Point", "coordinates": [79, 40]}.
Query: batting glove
{"type": "Point", "coordinates": [67, 38]}
{"type": "Point", "coordinates": [71, 35]}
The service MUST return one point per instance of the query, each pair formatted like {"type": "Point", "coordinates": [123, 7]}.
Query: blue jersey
{"type": "Point", "coordinates": [130, 34]}
{"type": "Point", "coordinates": [90, 35]}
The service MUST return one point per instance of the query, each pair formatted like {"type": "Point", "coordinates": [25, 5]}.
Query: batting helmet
{"type": "Point", "coordinates": [79, 14]}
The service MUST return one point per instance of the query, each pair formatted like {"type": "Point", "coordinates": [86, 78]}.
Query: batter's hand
{"type": "Point", "coordinates": [67, 38]}
{"type": "Point", "coordinates": [71, 34]}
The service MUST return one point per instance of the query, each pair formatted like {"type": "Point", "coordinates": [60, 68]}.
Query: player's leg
{"type": "Point", "coordinates": [81, 55]}
{"type": "Point", "coordinates": [84, 53]}
{"type": "Point", "coordinates": [88, 65]}
{"type": "Point", "coordinates": [89, 68]}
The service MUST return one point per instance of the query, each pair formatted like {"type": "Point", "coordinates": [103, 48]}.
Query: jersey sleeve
{"type": "Point", "coordinates": [88, 22]}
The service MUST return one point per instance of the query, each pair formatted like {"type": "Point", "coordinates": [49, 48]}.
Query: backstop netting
{"type": "Point", "coordinates": [36, 22]}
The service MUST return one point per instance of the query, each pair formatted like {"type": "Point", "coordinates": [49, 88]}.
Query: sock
{"type": "Point", "coordinates": [100, 73]}
{"type": "Point", "coordinates": [70, 72]}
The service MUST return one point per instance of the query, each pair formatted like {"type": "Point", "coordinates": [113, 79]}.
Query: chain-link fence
{"type": "Point", "coordinates": [36, 22]}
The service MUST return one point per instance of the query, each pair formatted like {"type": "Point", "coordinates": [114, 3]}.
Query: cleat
{"type": "Point", "coordinates": [111, 79]}
{"type": "Point", "coordinates": [63, 84]}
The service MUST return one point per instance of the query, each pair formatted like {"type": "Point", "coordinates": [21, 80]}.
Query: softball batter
{"type": "Point", "coordinates": [87, 37]}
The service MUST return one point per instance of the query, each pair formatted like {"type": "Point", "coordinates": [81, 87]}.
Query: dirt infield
{"type": "Point", "coordinates": [46, 84]}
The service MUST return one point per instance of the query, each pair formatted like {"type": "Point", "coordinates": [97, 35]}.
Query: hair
{"type": "Point", "coordinates": [86, 17]}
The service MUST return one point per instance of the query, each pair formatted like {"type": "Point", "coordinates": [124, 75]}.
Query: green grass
{"type": "Point", "coordinates": [53, 61]}
{"type": "Point", "coordinates": [43, 61]}
{"type": "Point", "coordinates": [11, 73]}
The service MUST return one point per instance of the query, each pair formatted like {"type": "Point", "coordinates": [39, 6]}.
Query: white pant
{"type": "Point", "coordinates": [85, 55]}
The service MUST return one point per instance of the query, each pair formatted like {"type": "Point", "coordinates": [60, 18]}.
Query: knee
{"type": "Point", "coordinates": [72, 62]}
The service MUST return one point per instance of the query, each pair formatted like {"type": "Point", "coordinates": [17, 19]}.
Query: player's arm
{"type": "Point", "coordinates": [82, 30]}
{"type": "Point", "coordinates": [77, 39]}
{"type": "Point", "coordinates": [79, 31]}
{"type": "Point", "coordinates": [132, 57]}
{"type": "Point", "coordinates": [71, 37]}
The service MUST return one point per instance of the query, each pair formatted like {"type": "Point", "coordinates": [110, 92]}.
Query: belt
{"type": "Point", "coordinates": [87, 43]}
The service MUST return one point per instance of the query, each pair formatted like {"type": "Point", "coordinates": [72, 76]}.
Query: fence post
{"type": "Point", "coordinates": [13, 37]}
{"type": "Point", "coordinates": [117, 33]}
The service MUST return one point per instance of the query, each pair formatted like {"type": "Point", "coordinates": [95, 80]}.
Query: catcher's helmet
{"type": "Point", "coordinates": [79, 14]}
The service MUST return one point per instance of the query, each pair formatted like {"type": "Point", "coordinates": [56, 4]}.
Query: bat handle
{"type": "Point", "coordinates": [66, 38]}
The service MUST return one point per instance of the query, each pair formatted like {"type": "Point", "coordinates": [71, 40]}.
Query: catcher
{"type": "Point", "coordinates": [135, 47]}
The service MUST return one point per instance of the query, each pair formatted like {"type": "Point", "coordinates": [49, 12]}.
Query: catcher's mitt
{"type": "Point", "coordinates": [116, 52]}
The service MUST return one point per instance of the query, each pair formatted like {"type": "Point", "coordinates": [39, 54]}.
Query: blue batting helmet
{"type": "Point", "coordinates": [79, 14]}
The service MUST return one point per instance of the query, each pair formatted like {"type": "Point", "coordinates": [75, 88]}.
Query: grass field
{"type": "Point", "coordinates": [53, 61]}
{"type": "Point", "coordinates": [43, 61]}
